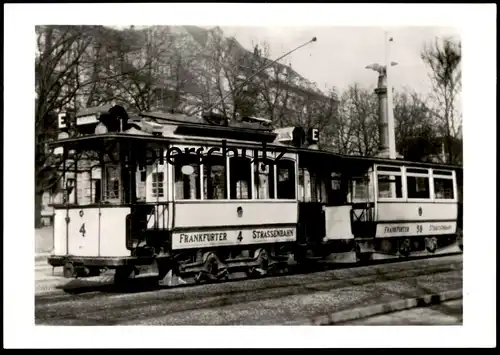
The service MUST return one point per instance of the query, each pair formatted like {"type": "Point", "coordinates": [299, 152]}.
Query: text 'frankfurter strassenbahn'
{"type": "Point", "coordinates": [188, 238]}
{"type": "Point", "coordinates": [274, 233]}
{"type": "Point", "coordinates": [202, 237]}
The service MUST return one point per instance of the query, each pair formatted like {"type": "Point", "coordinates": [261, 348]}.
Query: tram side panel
{"type": "Point", "coordinates": [233, 223]}
{"type": "Point", "coordinates": [90, 232]}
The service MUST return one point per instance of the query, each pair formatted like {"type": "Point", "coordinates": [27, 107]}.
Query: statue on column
{"type": "Point", "coordinates": [381, 92]}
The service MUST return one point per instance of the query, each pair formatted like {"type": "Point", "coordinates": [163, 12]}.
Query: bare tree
{"type": "Point", "coordinates": [74, 66]}
{"type": "Point", "coordinates": [274, 85]}
{"type": "Point", "coordinates": [358, 122]}
{"type": "Point", "coordinates": [444, 60]}
{"type": "Point", "coordinates": [57, 80]}
{"type": "Point", "coordinates": [162, 69]}
{"type": "Point", "coordinates": [343, 127]}
{"type": "Point", "coordinates": [415, 134]}
{"type": "Point", "coordinates": [228, 77]}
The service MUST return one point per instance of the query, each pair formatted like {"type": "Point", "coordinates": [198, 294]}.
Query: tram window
{"type": "Point", "coordinates": [389, 186]}
{"type": "Point", "coordinates": [140, 180]}
{"type": "Point", "coordinates": [286, 179]}
{"type": "Point", "coordinates": [389, 168]}
{"type": "Point", "coordinates": [443, 172]}
{"type": "Point", "coordinates": [96, 190]}
{"type": "Point", "coordinates": [214, 178]}
{"type": "Point", "coordinates": [187, 179]}
{"type": "Point", "coordinates": [417, 171]}
{"type": "Point", "coordinates": [69, 195]}
{"type": "Point", "coordinates": [418, 187]}
{"type": "Point", "coordinates": [318, 188]}
{"type": "Point", "coordinates": [264, 181]}
{"type": "Point", "coordinates": [360, 189]}
{"type": "Point", "coordinates": [443, 188]}
{"type": "Point", "coordinates": [338, 193]}
{"type": "Point", "coordinates": [157, 184]}
{"type": "Point", "coordinates": [112, 183]}
{"type": "Point", "coordinates": [240, 178]}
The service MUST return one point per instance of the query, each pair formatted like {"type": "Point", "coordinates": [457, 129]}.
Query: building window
{"type": "Point", "coordinates": [157, 184]}
{"type": "Point", "coordinates": [286, 179]}
{"type": "Point", "coordinates": [240, 178]}
{"type": "Point", "coordinates": [443, 188]}
{"type": "Point", "coordinates": [214, 178]}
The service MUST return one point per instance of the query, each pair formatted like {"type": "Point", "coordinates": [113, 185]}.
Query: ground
{"type": "Point", "coordinates": [43, 240]}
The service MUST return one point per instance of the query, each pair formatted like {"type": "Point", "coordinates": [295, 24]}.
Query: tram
{"type": "Point", "coordinates": [206, 198]}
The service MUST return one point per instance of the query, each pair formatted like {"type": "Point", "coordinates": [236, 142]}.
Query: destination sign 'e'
{"type": "Point", "coordinates": [246, 236]}
{"type": "Point", "coordinates": [88, 119]}
{"type": "Point", "coordinates": [385, 230]}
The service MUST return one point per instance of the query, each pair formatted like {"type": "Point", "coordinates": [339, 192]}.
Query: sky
{"type": "Point", "coordinates": [340, 54]}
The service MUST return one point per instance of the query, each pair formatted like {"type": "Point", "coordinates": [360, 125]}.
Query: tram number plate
{"type": "Point", "coordinates": [82, 230]}
{"type": "Point", "coordinates": [419, 228]}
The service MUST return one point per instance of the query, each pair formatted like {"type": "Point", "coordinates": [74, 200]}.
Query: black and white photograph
{"type": "Point", "coordinates": [286, 165]}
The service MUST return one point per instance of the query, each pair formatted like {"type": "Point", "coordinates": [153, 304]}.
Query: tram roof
{"type": "Point", "coordinates": [181, 139]}
{"type": "Point", "coordinates": [387, 161]}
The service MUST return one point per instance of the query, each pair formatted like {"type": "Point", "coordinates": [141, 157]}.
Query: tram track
{"type": "Point", "coordinates": [127, 306]}
{"type": "Point", "coordinates": [345, 275]}
{"type": "Point", "coordinates": [149, 283]}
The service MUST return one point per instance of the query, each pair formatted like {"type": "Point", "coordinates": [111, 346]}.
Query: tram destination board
{"type": "Point", "coordinates": [244, 236]}
{"type": "Point", "coordinates": [413, 229]}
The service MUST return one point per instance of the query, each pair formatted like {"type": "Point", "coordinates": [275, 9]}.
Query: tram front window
{"type": "Point", "coordinates": [93, 174]}
{"type": "Point", "coordinates": [112, 183]}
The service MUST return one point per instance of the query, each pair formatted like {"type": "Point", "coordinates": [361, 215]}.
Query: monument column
{"type": "Point", "coordinates": [383, 123]}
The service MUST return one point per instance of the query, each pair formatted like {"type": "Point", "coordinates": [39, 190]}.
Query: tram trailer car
{"type": "Point", "coordinates": [204, 200]}
{"type": "Point", "coordinates": [402, 208]}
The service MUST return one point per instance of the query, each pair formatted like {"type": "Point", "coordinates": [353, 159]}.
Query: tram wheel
{"type": "Point", "coordinates": [262, 266]}
{"type": "Point", "coordinates": [69, 270]}
{"type": "Point", "coordinates": [405, 247]}
{"type": "Point", "coordinates": [211, 268]}
{"type": "Point", "coordinates": [431, 244]}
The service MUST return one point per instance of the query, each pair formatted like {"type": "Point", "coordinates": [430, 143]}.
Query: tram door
{"type": "Point", "coordinates": [312, 196]}
{"type": "Point", "coordinates": [361, 198]}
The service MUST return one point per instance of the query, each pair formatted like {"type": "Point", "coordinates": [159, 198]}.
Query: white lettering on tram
{"type": "Point", "coordinates": [202, 237]}
{"type": "Point", "coordinates": [274, 233]}
{"type": "Point", "coordinates": [440, 227]}
{"type": "Point", "coordinates": [415, 228]}
{"type": "Point", "coordinates": [397, 229]}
